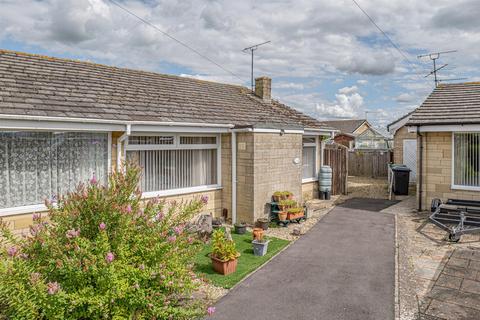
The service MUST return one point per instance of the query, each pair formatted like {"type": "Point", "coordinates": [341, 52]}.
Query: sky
{"type": "Point", "coordinates": [326, 58]}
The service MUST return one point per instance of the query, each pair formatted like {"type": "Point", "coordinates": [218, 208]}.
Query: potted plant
{"type": "Point", "coordinates": [263, 223]}
{"type": "Point", "coordinates": [288, 195]}
{"type": "Point", "coordinates": [282, 215]}
{"type": "Point", "coordinates": [295, 213]}
{"type": "Point", "coordinates": [224, 253]}
{"type": "Point", "coordinates": [257, 233]}
{"type": "Point", "coordinates": [240, 227]}
{"type": "Point", "coordinates": [260, 247]}
{"type": "Point", "coordinates": [277, 196]}
{"type": "Point", "coordinates": [283, 205]}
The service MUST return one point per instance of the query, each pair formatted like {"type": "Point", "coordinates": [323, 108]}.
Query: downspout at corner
{"type": "Point", "coordinates": [234, 177]}
{"type": "Point", "coordinates": [121, 144]}
{"type": "Point", "coordinates": [420, 170]}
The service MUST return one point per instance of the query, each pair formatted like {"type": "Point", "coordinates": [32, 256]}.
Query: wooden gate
{"type": "Point", "coordinates": [369, 163]}
{"type": "Point", "coordinates": [336, 156]}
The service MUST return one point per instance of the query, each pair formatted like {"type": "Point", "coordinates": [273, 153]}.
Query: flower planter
{"type": "Point", "coordinates": [224, 267]}
{"type": "Point", "coordinates": [240, 228]}
{"type": "Point", "coordinates": [263, 223]}
{"type": "Point", "coordinates": [257, 233]}
{"type": "Point", "coordinates": [282, 216]}
{"type": "Point", "coordinates": [260, 248]}
{"type": "Point", "coordinates": [293, 216]}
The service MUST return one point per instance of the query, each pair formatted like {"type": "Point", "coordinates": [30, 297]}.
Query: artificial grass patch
{"type": "Point", "coordinates": [247, 262]}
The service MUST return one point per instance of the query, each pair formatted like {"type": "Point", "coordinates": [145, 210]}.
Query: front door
{"type": "Point", "coordinates": [410, 157]}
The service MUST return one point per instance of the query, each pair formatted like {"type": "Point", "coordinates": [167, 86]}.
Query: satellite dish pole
{"type": "Point", "coordinates": [253, 48]}
{"type": "Point", "coordinates": [434, 56]}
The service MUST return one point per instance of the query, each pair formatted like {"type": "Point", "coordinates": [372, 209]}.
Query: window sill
{"type": "Point", "coordinates": [176, 192]}
{"type": "Point", "coordinates": [307, 180]}
{"type": "Point", "coordinates": [465, 188]}
{"type": "Point", "coordinates": [22, 210]}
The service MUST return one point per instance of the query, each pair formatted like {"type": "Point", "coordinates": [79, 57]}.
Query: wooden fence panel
{"type": "Point", "coordinates": [369, 163]}
{"type": "Point", "coordinates": [336, 156]}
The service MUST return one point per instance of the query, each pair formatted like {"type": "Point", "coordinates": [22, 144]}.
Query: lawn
{"type": "Point", "coordinates": [246, 263]}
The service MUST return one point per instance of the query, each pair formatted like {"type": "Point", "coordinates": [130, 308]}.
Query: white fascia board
{"type": "Point", "coordinates": [319, 132]}
{"type": "Point", "coordinates": [397, 125]}
{"type": "Point", "coordinates": [446, 128]}
{"type": "Point", "coordinates": [40, 125]}
{"type": "Point", "coordinates": [175, 128]}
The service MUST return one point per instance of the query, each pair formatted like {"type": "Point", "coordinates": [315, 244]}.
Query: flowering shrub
{"type": "Point", "coordinates": [102, 254]}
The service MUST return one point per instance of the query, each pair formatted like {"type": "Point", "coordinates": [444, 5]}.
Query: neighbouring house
{"type": "Point", "coordinates": [404, 144]}
{"type": "Point", "coordinates": [358, 134]}
{"type": "Point", "coordinates": [447, 125]}
{"type": "Point", "coordinates": [62, 121]}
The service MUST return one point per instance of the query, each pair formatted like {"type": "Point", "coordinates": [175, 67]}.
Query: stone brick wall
{"type": "Point", "coordinates": [437, 170]}
{"type": "Point", "coordinates": [245, 177]}
{"type": "Point", "coordinates": [226, 174]}
{"type": "Point", "coordinates": [310, 190]}
{"type": "Point", "coordinates": [401, 135]}
{"type": "Point", "coordinates": [274, 168]}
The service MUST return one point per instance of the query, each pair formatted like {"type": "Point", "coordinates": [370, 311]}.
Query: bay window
{"type": "Point", "coordinates": [35, 166]}
{"type": "Point", "coordinates": [309, 157]}
{"type": "Point", "coordinates": [175, 161]}
{"type": "Point", "coordinates": [466, 160]}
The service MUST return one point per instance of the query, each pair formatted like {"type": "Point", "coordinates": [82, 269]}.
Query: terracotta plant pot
{"type": "Point", "coordinates": [257, 233]}
{"type": "Point", "coordinates": [292, 216]}
{"type": "Point", "coordinates": [224, 267]}
{"type": "Point", "coordinates": [263, 223]}
{"type": "Point", "coordinates": [282, 216]}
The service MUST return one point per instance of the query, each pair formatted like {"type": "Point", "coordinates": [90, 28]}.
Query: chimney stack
{"type": "Point", "coordinates": [263, 88]}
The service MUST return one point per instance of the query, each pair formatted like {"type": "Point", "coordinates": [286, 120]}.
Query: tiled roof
{"type": "Point", "coordinates": [450, 104]}
{"type": "Point", "coordinates": [345, 126]}
{"type": "Point", "coordinates": [43, 86]}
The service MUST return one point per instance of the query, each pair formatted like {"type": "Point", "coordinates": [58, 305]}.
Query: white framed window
{"type": "Point", "coordinates": [35, 166]}
{"type": "Point", "coordinates": [309, 159]}
{"type": "Point", "coordinates": [174, 163]}
{"type": "Point", "coordinates": [466, 160]}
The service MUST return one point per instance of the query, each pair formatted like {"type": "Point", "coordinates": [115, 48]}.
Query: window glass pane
{"type": "Point", "coordinates": [150, 140]}
{"type": "Point", "coordinates": [174, 169]}
{"type": "Point", "coordinates": [308, 139]}
{"type": "Point", "coordinates": [198, 140]}
{"type": "Point", "coordinates": [309, 162]}
{"type": "Point", "coordinates": [467, 159]}
{"type": "Point", "coordinates": [35, 166]}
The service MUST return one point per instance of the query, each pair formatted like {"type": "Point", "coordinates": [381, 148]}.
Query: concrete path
{"type": "Point", "coordinates": [343, 268]}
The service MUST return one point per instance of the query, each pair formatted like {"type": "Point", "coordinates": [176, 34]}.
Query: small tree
{"type": "Point", "coordinates": [102, 254]}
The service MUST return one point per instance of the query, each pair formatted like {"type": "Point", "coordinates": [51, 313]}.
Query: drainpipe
{"type": "Point", "coordinates": [120, 145]}
{"type": "Point", "coordinates": [420, 171]}
{"type": "Point", "coordinates": [234, 177]}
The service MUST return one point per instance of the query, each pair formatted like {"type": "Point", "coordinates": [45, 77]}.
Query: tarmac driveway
{"type": "Point", "coordinates": [343, 268]}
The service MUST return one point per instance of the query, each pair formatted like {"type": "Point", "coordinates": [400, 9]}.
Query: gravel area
{"type": "Point", "coordinates": [424, 268]}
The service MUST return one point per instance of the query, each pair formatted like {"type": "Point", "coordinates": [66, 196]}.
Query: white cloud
{"type": "Point", "coordinates": [404, 97]}
{"type": "Point", "coordinates": [348, 104]}
{"type": "Point", "coordinates": [362, 82]}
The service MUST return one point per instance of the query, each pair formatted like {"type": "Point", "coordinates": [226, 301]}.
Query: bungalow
{"type": "Point", "coordinates": [447, 126]}
{"type": "Point", "coordinates": [358, 134]}
{"type": "Point", "coordinates": [61, 121]}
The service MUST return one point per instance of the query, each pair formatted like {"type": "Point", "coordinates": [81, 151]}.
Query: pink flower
{"type": "Point", "coordinates": [72, 233]}
{"type": "Point", "coordinates": [12, 251]}
{"type": "Point", "coordinates": [204, 199]}
{"type": "Point", "coordinates": [210, 310]}
{"type": "Point", "coordinates": [141, 267]}
{"type": "Point", "coordinates": [110, 257]}
{"type": "Point", "coordinates": [94, 179]}
{"type": "Point", "coordinates": [159, 216]}
{"type": "Point", "coordinates": [53, 287]}
{"type": "Point", "coordinates": [178, 230]}
{"type": "Point", "coordinates": [36, 217]}
{"type": "Point", "coordinates": [128, 209]}
{"type": "Point", "coordinates": [102, 226]}
{"type": "Point", "coordinates": [190, 240]}
{"type": "Point", "coordinates": [171, 239]}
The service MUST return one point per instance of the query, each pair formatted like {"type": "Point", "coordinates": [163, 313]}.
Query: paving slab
{"type": "Point", "coordinates": [343, 268]}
